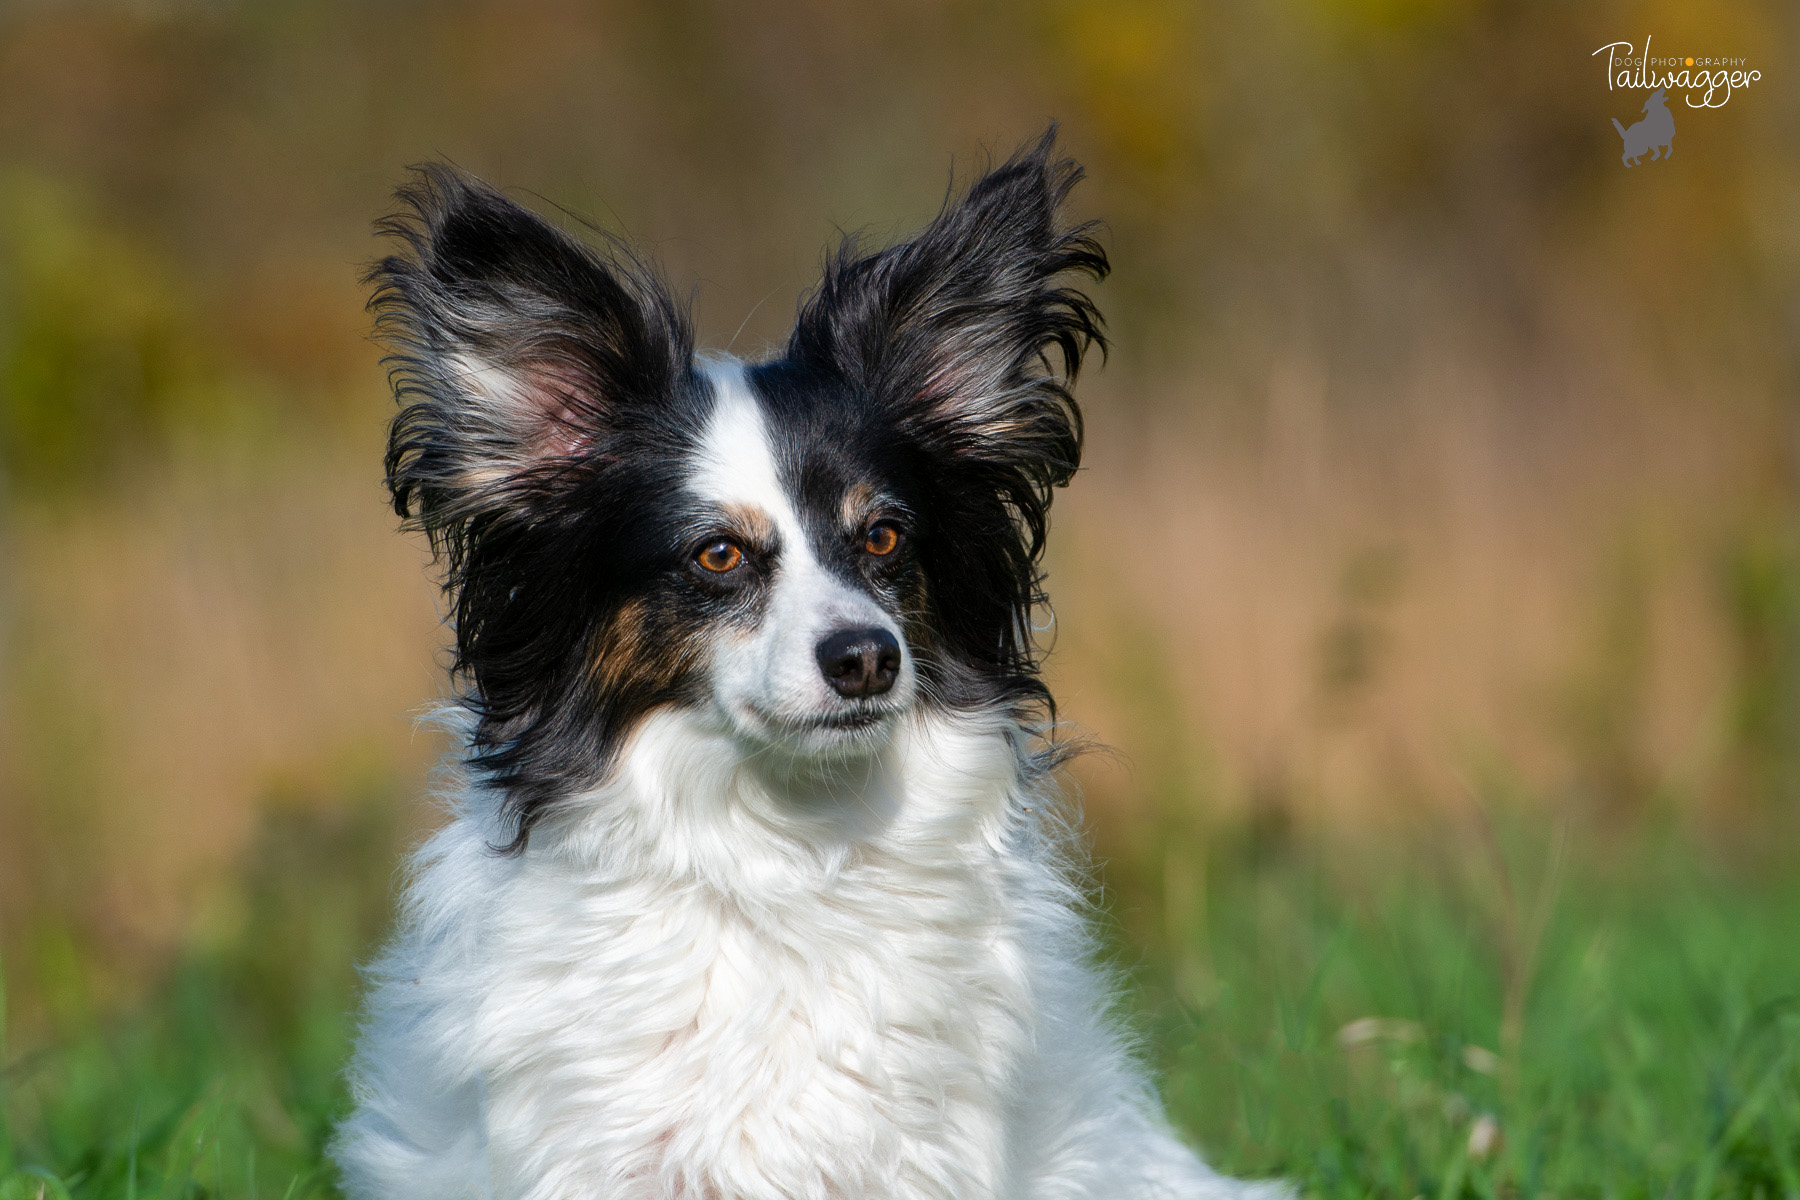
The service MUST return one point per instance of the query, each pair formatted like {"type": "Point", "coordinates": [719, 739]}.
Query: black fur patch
{"type": "Point", "coordinates": [949, 336]}
{"type": "Point", "coordinates": [550, 408]}
{"type": "Point", "coordinates": [553, 520]}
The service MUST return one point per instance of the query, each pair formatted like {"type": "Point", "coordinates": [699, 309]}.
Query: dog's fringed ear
{"type": "Point", "coordinates": [513, 345]}
{"type": "Point", "coordinates": [955, 328]}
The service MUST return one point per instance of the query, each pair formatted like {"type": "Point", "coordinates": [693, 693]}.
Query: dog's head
{"type": "Point", "coordinates": [800, 550]}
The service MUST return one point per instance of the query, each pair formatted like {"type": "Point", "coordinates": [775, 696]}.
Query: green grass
{"type": "Point", "coordinates": [1624, 1013]}
{"type": "Point", "coordinates": [1628, 1024]}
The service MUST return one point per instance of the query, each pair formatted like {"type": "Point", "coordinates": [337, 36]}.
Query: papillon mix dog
{"type": "Point", "coordinates": [755, 885]}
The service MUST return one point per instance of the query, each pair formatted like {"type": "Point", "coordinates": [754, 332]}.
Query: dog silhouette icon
{"type": "Point", "coordinates": [1656, 132]}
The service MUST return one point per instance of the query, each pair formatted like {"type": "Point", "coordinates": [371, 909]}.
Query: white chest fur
{"type": "Point", "coordinates": [708, 984]}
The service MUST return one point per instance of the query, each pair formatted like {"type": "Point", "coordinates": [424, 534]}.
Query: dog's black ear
{"type": "Point", "coordinates": [954, 329]}
{"type": "Point", "coordinates": [513, 347]}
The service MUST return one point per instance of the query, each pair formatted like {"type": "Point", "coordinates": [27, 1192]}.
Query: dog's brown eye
{"type": "Point", "coordinates": [719, 556]}
{"type": "Point", "coordinates": [882, 538]}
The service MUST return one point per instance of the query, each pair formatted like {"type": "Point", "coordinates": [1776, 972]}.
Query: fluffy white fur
{"type": "Point", "coordinates": [747, 970]}
{"type": "Point", "coordinates": [726, 980]}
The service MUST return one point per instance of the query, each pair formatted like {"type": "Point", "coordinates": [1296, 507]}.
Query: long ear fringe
{"type": "Point", "coordinates": [515, 352]}
{"type": "Point", "coordinates": [972, 335]}
{"type": "Point", "coordinates": [956, 328]}
{"type": "Point", "coordinates": [484, 296]}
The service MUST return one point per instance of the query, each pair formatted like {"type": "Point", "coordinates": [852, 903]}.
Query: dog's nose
{"type": "Point", "coordinates": [859, 662]}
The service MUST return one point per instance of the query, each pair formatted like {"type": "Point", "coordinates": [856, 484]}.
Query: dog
{"type": "Point", "coordinates": [755, 883]}
{"type": "Point", "coordinates": [1657, 130]}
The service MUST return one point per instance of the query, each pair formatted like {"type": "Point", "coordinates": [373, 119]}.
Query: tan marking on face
{"type": "Point", "coordinates": [628, 650]}
{"type": "Point", "coordinates": [750, 523]}
{"type": "Point", "coordinates": [857, 504]}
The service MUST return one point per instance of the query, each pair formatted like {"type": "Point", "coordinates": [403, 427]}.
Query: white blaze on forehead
{"type": "Point", "coordinates": [771, 673]}
{"type": "Point", "coordinates": [735, 462]}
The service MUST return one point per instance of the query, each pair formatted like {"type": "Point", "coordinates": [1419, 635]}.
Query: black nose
{"type": "Point", "coordinates": [859, 662]}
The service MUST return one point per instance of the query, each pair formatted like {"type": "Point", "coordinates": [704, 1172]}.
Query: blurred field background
{"type": "Point", "coordinates": [1435, 578]}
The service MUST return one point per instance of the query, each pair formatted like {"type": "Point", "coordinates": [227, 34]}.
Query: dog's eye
{"type": "Point", "coordinates": [720, 556]}
{"type": "Point", "coordinates": [883, 538]}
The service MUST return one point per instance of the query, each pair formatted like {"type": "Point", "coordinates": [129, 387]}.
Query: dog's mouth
{"type": "Point", "coordinates": [853, 721]}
